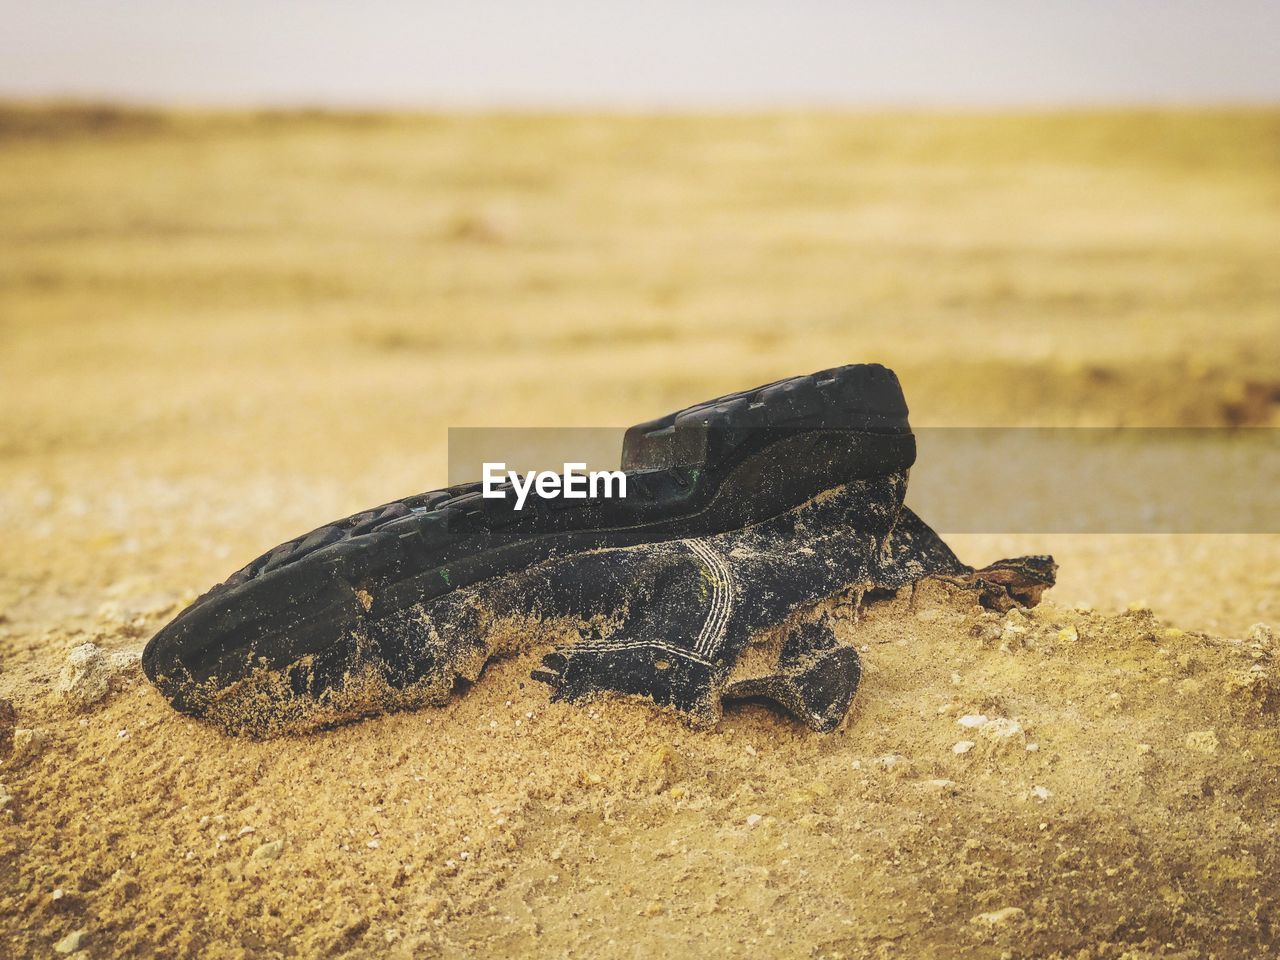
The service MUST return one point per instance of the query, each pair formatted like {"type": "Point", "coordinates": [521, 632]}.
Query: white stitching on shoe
{"type": "Point", "coordinates": [723, 588]}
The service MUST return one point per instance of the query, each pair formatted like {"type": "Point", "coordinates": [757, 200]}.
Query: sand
{"type": "Point", "coordinates": [220, 331]}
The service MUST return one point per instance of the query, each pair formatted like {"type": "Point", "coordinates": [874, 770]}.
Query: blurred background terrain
{"type": "Point", "coordinates": [221, 329]}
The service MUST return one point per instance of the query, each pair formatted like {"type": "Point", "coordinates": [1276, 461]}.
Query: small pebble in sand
{"type": "Point", "coordinates": [269, 851]}
{"type": "Point", "coordinates": [995, 728]}
{"type": "Point", "coordinates": [940, 784]}
{"type": "Point", "coordinates": [91, 673]}
{"type": "Point", "coordinates": [1000, 918]}
{"type": "Point", "coordinates": [987, 632]}
{"type": "Point", "coordinates": [1262, 634]}
{"type": "Point", "coordinates": [27, 745]}
{"type": "Point", "coordinates": [1001, 728]}
{"type": "Point", "coordinates": [56, 895]}
{"type": "Point", "coordinates": [1203, 741]}
{"type": "Point", "coordinates": [244, 831]}
{"type": "Point", "coordinates": [1041, 793]}
{"type": "Point", "coordinates": [1012, 632]}
{"type": "Point", "coordinates": [753, 819]}
{"type": "Point", "coordinates": [71, 942]}
{"type": "Point", "coordinates": [373, 844]}
{"type": "Point", "coordinates": [1033, 747]}
{"type": "Point", "coordinates": [964, 746]}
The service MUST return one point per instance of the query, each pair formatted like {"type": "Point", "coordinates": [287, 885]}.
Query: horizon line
{"type": "Point", "coordinates": [79, 101]}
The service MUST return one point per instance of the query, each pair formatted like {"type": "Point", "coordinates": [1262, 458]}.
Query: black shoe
{"type": "Point", "coordinates": [713, 467]}
{"type": "Point", "coordinates": [379, 611]}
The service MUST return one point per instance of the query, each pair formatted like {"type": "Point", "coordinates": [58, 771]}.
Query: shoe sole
{"type": "Point", "coordinates": [716, 466]}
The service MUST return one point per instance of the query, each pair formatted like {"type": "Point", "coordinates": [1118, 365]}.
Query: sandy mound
{"type": "Point", "coordinates": [1000, 777]}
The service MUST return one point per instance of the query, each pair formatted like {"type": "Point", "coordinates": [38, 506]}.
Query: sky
{"type": "Point", "coordinates": [642, 54]}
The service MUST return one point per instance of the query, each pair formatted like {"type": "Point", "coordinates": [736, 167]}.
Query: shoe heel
{"type": "Point", "coordinates": [865, 398]}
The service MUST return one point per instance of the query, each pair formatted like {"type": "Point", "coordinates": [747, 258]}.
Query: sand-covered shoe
{"type": "Point", "coordinates": [716, 466]}
{"type": "Point", "coordinates": [780, 496]}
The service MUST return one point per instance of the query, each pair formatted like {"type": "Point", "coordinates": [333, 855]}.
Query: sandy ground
{"type": "Point", "coordinates": [220, 331]}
